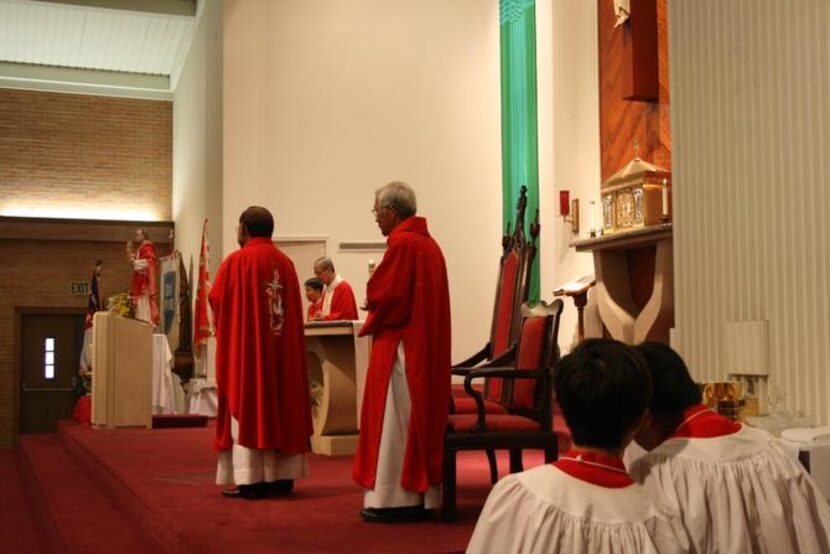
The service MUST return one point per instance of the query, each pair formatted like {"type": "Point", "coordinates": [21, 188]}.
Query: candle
{"type": "Point", "coordinates": [371, 267]}
{"type": "Point", "coordinates": [564, 202]}
{"type": "Point", "coordinates": [665, 197]}
{"type": "Point", "coordinates": [593, 220]}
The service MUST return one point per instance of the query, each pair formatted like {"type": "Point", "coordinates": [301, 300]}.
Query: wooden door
{"type": "Point", "coordinates": [49, 359]}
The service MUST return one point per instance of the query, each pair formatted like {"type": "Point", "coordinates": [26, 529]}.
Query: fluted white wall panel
{"type": "Point", "coordinates": [750, 135]}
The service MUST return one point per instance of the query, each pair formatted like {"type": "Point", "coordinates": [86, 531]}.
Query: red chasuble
{"type": "Point", "coordinates": [408, 300]}
{"type": "Point", "coordinates": [261, 372]}
{"type": "Point", "coordinates": [144, 280]}
{"type": "Point", "coordinates": [343, 305]}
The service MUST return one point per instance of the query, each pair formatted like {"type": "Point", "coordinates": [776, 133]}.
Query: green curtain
{"type": "Point", "coordinates": [519, 141]}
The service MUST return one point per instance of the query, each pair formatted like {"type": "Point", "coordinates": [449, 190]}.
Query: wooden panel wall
{"type": "Point", "coordinates": [624, 121]}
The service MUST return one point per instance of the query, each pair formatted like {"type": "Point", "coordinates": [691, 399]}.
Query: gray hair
{"type": "Point", "coordinates": [398, 195]}
{"type": "Point", "coordinates": [324, 263]}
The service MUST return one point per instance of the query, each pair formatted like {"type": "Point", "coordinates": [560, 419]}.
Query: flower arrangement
{"type": "Point", "coordinates": [119, 303]}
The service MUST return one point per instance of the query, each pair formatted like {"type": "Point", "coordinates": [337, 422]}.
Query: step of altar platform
{"type": "Point", "coordinates": [25, 525]}
{"type": "Point", "coordinates": [84, 514]}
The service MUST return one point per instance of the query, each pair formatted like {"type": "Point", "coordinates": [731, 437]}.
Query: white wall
{"type": "Point", "coordinates": [568, 91]}
{"type": "Point", "coordinates": [325, 101]}
{"type": "Point", "coordinates": [197, 142]}
{"type": "Point", "coordinates": [750, 135]}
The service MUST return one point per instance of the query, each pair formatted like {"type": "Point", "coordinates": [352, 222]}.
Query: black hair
{"type": "Point", "coordinates": [258, 221]}
{"type": "Point", "coordinates": [604, 388]}
{"type": "Point", "coordinates": [314, 283]}
{"type": "Point", "coordinates": [674, 390]}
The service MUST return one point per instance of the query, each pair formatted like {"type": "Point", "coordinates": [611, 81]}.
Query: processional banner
{"type": "Point", "coordinates": [170, 312]}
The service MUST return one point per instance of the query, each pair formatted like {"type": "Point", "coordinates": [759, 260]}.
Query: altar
{"type": "Point", "coordinates": [634, 282]}
{"type": "Point", "coordinates": [337, 361]}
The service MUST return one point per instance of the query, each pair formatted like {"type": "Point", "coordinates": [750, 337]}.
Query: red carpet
{"type": "Point", "coordinates": [25, 525]}
{"type": "Point", "coordinates": [161, 481]}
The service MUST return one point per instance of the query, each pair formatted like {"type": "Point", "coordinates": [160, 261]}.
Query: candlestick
{"type": "Point", "coordinates": [593, 219]}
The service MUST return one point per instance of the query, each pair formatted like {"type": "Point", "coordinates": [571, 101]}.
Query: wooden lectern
{"type": "Point", "coordinates": [122, 385]}
{"type": "Point", "coordinates": [578, 290]}
{"type": "Point", "coordinates": [337, 360]}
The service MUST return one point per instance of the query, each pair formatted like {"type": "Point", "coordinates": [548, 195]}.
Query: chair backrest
{"type": "Point", "coordinates": [512, 287]}
{"type": "Point", "coordinates": [538, 349]}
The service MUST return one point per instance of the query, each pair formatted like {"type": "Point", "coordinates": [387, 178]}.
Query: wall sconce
{"type": "Point", "coordinates": [569, 210]}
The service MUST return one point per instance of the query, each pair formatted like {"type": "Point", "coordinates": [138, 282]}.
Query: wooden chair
{"type": "Point", "coordinates": [528, 421]}
{"type": "Point", "coordinates": [512, 287]}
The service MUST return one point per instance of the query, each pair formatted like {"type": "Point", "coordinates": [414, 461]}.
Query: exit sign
{"type": "Point", "coordinates": [79, 288]}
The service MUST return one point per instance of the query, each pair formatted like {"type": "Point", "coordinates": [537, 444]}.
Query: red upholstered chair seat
{"type": "Point", "coordinates": [501, 423]}
{"type": "Point", "coordinates": [467, 405]}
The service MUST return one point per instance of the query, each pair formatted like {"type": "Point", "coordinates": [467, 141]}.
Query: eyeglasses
{"type": "Point", "coordinates": [375, 211]}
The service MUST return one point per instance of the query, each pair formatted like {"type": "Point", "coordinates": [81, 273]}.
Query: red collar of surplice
{"type": "Point", "coordinates": [699, 422]}
{"type": "Point", "coordinates": [594, 468]}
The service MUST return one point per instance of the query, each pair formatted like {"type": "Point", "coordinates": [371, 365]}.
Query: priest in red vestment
{"type": "Point", "coordinates": [264, 410]}
{"type": "Point", "coordinates": [143, 288]}
{"type": "Point", "coordinates": [338, 297]}
{"type": "Point", "coordinates": [407, 394]}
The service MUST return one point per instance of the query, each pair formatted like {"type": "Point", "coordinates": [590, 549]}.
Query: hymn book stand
{"type": "Point", "coordinates": [578, 290]}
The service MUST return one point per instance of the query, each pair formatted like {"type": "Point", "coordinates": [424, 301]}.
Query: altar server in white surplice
{"type": "Point", "coordinates": [585, 502]}
{"type": "Point", "coordinates": [735, 487]}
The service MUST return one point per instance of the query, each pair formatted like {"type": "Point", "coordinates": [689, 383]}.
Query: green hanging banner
{"type": "Point", "coordinates": [519, 141]}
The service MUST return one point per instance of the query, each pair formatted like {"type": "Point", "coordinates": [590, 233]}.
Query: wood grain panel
{"type": "Point", "coordinates": [624, 121]}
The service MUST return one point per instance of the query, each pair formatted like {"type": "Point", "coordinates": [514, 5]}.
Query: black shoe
{"type": "Point", "coordinates": [407, 514]}
{"type": "Point", "coordinates": [248, 492]}
{"type": "Point", "coordinates": [280, 487]}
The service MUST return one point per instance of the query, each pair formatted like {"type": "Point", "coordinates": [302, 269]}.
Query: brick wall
{"type": "Point", "coordinates": [80, 152]}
